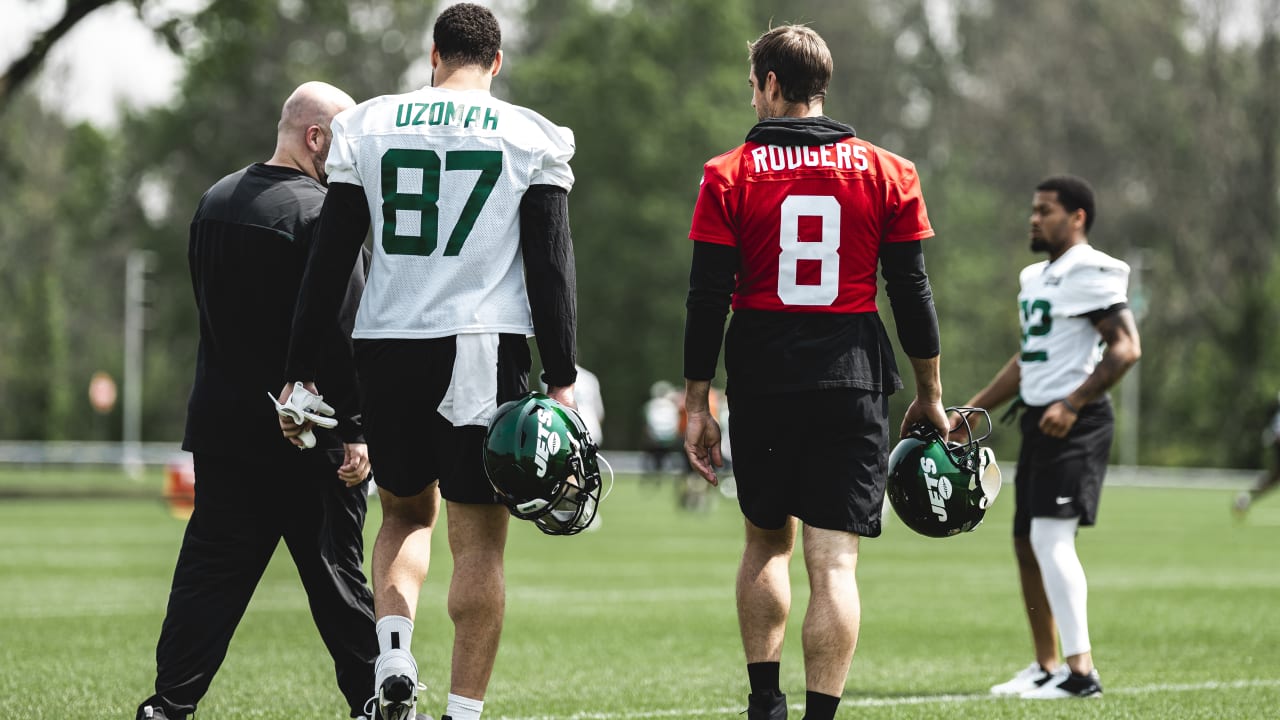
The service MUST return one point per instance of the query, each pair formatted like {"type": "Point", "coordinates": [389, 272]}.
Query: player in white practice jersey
{"type": "Point", "coordinates": [1078, 339]}
{"type": "Point", "coordinates": [468, 197]}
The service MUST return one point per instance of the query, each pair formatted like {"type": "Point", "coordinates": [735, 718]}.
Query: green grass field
{"type": "Point", "coordinates": [637, 620]}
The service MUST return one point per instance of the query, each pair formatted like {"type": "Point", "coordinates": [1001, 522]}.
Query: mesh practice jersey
{"type": "Point", "coordinates": [1061, 347]}
{"type": "Point", "coordinates": [808, 221]}
{"type": "Point", "coordinates": [444, 171]}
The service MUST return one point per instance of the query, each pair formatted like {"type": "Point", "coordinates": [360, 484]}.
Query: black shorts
{"type": "Point", "coordinates": [1062, 477]}
{"type": "Point", "coordinates": [411, 445]}
{"type": "Point", "coordinates": [819, 455]}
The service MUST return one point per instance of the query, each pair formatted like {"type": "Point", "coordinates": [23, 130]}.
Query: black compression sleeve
{"type": "Point", "coordinates": [711, 283]}
{"type": "Point", "coordinates": [344, 221]}
{"type": "Point", "coordinates": [1096, 316]}
{"type": "Point", "coordinates": [552, 280]}
{"type": "Point", "coordinates": [339, 363]}
{"type": "Point", "coordinates": [907, 285]}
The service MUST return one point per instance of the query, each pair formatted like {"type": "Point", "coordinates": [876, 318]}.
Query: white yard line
{"type": "Point", "coordinates": [900, 700]}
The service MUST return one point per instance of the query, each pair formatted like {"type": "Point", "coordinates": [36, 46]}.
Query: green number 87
{"type": "Point", "coordinates": [424, 202]}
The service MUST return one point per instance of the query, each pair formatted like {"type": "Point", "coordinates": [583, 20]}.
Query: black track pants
{"type": "Point", "coordinates": [243, 507]}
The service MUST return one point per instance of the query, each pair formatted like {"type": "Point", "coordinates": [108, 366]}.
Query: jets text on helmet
{"type": "Point", "coordinates": [540, 453]}
{"type": "Point", "coordinates": [939, 487]}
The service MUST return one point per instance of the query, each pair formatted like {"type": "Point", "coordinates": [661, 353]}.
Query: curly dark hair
{"type": "Point", "coordinates": [467, 34]}
{"type": "Point", "coordinates": [1073, 194]}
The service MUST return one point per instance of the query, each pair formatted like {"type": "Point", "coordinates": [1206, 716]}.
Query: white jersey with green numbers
{"type": "Point", "coordinates": [1060, 346]}
{"type": "Point", "coordinates": [444, 172]}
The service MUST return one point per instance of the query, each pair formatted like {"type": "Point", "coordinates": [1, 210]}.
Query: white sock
{"type": "Point", "coordinates": [1054, 542]}
{"type": "Point", "coordinates": [395, 632]}
{"type": "Point", "coordinates": [463, 708]}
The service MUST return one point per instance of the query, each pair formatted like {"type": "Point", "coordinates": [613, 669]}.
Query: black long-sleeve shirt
{"type": "Point", "coordinates": [248, 247]}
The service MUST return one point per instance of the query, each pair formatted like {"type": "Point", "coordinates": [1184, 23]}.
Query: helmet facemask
{"type": "Point", "coordinates": [572, 506]}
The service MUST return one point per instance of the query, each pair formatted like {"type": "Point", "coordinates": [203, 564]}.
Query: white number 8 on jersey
{"type": "Point", "coordinates": [826, 251]}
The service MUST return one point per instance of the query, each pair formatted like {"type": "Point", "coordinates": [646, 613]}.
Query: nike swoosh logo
{"type": "Point", "coordinates": [1062, 500]}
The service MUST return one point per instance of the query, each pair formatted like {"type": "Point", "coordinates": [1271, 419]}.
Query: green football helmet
{"type": "Point", "coordinates": [941, 488]}
{"type": "Point", "coordinates": [542, 463]}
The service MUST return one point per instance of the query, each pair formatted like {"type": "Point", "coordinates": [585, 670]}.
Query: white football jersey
{"type": "Point", "coordinates": [1060, 347]}
{"type": "Point", "coordinates": [444, 172]}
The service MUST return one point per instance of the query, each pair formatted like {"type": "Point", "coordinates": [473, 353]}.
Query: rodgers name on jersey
{"type": "Point", "coordinates": [1060, 345]}
{"type": "Point", "coordinates": [809, 221]}
{"type": "Point", "coordinates": [443, 172]}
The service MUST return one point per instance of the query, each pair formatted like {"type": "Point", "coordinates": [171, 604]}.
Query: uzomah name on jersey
{"type": "Point", "coordinates": [445, 113]}
{"type": "Point", "coordinates": [839, 156]}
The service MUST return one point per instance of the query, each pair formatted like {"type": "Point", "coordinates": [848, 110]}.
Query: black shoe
{"type": "Point", "coordinates": [1067, 685]}
{"type": "Point", "coordinates": [767, 706]}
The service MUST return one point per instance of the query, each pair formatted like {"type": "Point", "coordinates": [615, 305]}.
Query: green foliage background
{"type": "Point", "coordinates": [1173, 119]}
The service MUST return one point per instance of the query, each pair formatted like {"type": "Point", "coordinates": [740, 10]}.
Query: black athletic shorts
{"type": "Point", "coordinates": [818, 455]}
{"type": "Point", "coordinates": [1062, 477]}
{"type": "Point", "coordinates": [411, 445]}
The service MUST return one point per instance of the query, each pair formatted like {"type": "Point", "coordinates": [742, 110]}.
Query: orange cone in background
{"type": "Point", "coordinates": [180, 487]}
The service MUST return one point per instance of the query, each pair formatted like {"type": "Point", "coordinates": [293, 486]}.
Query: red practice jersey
{"type": "Point", "coordinates": [808, 221]}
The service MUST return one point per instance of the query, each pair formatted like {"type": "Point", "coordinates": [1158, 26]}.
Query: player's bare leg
{"type": "Point", "coordinates": [1044, 632]}
{"type": "Point", "coordinates": [764, 602]}
{"type": "Point", "coordinates": [764, 590]}
{"type": "Point", "coordinates": [401, 556]}
{"type": "Point", "coordinates": [402, 551]}
{"type": "Point", "coordinates": [477, 593]}
{"type": "Point", "coordinates": [831, 623]}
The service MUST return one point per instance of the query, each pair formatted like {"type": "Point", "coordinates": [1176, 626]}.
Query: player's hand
{"type": "Point", "coordinates": [928, 413]}
{"type": "Point", "coordinates": [702, 445]}
{"type": "Point", "coordinates": [300, 407]}
{"type": "Point", "coordinates": [563, 395]}
{"type": "Point", "coordinates": [355, 464]}
{"type": "Point", "coordinates": [1057, 420]}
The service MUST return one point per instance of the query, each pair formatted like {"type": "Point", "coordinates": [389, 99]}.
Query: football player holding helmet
{"type": "Point", "coordinates": [942, 488]}
{"type": "Point", "coordinates": [543, 464]}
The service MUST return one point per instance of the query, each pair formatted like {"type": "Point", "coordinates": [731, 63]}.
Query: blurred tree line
{"type": "Point", "coordinates": [1169, 107]}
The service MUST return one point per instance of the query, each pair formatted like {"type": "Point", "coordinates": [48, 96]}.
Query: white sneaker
{"type": "Point", "coordinates": [1066, 684]}
{"type": "Point", "coordinates": [396, 677]}
{"type": "Point", "coordinates": [1029, 678]}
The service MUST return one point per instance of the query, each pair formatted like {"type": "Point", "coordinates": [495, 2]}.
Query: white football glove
{"type": "Point", "coordinates": [304, 406]}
